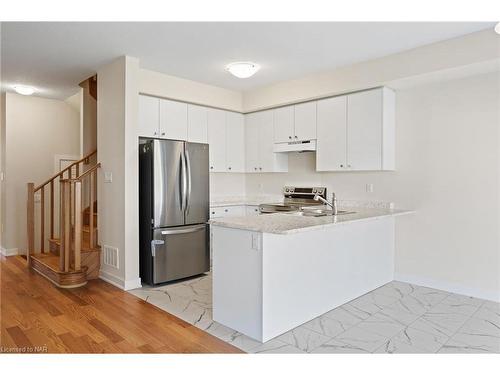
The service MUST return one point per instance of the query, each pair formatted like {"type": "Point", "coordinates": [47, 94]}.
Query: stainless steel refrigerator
{"type": "Point", "coordinates": [173, 210]}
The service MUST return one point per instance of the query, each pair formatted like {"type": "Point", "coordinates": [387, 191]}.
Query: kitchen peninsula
{"type": "Point", "coordinates": [274, 272]}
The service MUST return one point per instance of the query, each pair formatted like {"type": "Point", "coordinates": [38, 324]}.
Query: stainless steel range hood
{"type": "Point", "coordinates": [301, 146]}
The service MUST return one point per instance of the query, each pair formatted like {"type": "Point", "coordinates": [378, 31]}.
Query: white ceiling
{"type": "Point", "coordinates": [55, 57]}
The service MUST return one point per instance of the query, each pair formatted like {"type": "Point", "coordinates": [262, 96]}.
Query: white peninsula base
{"type": "Point", "coordinates": [265, 284]}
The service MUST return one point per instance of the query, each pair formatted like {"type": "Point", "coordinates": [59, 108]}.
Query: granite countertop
{"type": "Point", "coordinates": [244, 201]}
{"type": "Point", "coordinates": [286, 223]}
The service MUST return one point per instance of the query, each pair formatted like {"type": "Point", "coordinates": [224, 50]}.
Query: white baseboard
{"type": "Point", "coordinates": [119, 282]}
{"type": "Point", "coordinates": [490, 295]}
{"type": "Point", "coordinates": [8, 252]}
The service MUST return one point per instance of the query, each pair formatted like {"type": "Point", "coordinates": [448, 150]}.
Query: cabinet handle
{"type": "Point", "coordinates": [341, 165]}
{"type": "Point", "coordinates": [163, 133]}
{"type": "Point", "coordinates": [348, 165]}
{"type": "Point", "coordinates": [255, 168]}
{"type": "Point", "coordinates": [296, 137]}
{"type": "Point", "coordinates": [260, 168]}
{"type": "Point", "coordinates": [229, 168]}
{"type": "Point", "coordinates": [225, 210]}
{"type": "Point", "coordinates": [211, 167]}
{"type": "Point", "coordinates": [213, 212]}
{"type": "Point", "coordinates": [289, 137]}
{"type": "Point", "coordinates": [155, 133]}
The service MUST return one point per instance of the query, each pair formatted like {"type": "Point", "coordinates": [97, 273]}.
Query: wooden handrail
{"type": "Point", "coordinates": [60, 174]}
{"type": "Point", "coordinates": [84, 174]}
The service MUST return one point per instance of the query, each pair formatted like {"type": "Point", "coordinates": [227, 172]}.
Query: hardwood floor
{"type": "Point", "coordinates": [96, 318]}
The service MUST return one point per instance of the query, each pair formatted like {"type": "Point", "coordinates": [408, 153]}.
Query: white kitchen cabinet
{"type": "Point", "coordinates": [331, 147]}
{"type": "Point", "coordinates": [235, 142]}
{"type": "Point", "coordinates": [217, 139]}
{"type": "Point", "coordinates": [359, 125]}
{"type": "Point", "coordinates": [173, 120]}
{"type": "Point", "coordinates": [284, 124]}
{"type": "Point", "coordinates": [252, 157]}
{"type": "Point", "coordinates": [197, 129]}
{"type": "Point", "coordinates": [149, 116]}
{"type": "Point", "coordinates": [305, 121]}
{"type": "Point", "coordinates": [259, 141]}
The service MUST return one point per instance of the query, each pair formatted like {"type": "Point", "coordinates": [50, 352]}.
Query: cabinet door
{"type": "Point", "coordinates": [149, 116]}
{"type": "Point", "coordinates": [217, 139]}
{"type": "Point", "coordinates": [173, 120]}
{"type": "Point", "coordinates": [331, 150]}
{"type": "Point", "coordinates": [364, 130]}
{"type": "Point", "coordinates": [305, 121]}
{"type": "Point", "coordinates": [266, 142]}
{"type": "Point", "coordinates": [235, 142]}
{"type": "Point", "coordinates": [283, 124]}
{"type": "Point", "coordinates": [197, 124]}
{"type": "Point", "coordinates": [252, 142]}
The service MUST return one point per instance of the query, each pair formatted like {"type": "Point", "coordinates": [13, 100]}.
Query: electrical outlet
{"type": "Point", "coordinates": [369, 188]}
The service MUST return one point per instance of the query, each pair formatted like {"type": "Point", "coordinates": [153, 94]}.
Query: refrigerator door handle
{"type": "Point", "coordinates": [189, 179]}
{"type": "Point", "coordinates": [185, 230]}
{"type": "Point", "coordinates": [153, 244]}
{"type": "Point", "coordinates": [183, 182]}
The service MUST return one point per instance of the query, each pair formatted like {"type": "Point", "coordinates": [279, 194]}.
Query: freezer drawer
{"type": "Point", "coordinates": [179, 252]}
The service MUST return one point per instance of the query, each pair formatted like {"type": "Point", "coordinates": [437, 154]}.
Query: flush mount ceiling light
{"type": "Point", "coordinates": [497, 28]}
{"type": "Point", "coordinates": [243, 69]}
{"type": "Point", "coordinates": [24, 90]}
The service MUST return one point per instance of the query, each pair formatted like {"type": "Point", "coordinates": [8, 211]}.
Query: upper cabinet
{"type": "Point", "coordinates": [259, 156]}
{"type": "Point", "coordinates": [226, 138]}
{"type": "Point", "coordinates": [284, 124]}
{"type": "Point", "coordinates": [197, 127]}
{"type": "Point", "coordinates": [356, 132]}
{"type": "Point", "coordinates": [305, 121]}
{"type": "Point", "coordinates": [149, 116]}
{"type": "Point", "coordinates": [217, 139]}
{"type": "Point", "coordinates": [235, 142]}
{"type": "Point", "coordinates": [173, 120]}
{"type": "Point", "coordinates": [295, 123]}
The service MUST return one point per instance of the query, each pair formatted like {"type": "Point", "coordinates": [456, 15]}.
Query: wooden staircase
{"type": "Point", "coordinates": [73, 256]}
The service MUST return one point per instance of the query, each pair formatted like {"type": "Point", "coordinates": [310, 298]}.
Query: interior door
{"type": "Point", "coordinates": [197, 200]}
{"type": "Point", "coordinates": [180, 252]}
{"type": "Point", "coordinates": [167, 183]}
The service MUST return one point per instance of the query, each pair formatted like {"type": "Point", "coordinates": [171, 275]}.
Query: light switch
{"type": "Point", "coordinates": [369, 188]}
{"type": "Point", "coordinates": [108, 177]}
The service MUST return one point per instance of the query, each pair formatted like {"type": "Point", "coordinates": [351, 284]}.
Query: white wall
{"type": "Point", "coordinates": [170, 87]}
{"type": "Point", "coordinates": [447, 160]}
{"type": "Point", "coordinates": [117, 149]}
{"type": "Point", "coordinates": [36, 130]}
{"type": "Point", "coordinates": [477, 49]}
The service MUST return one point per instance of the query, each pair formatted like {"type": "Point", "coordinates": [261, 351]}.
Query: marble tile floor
{"type": "Point", "coordinates": [395, 318]}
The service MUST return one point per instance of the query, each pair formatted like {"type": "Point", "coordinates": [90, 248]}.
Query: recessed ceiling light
{"type": "Point", "coordinates": [24, 90]}
{"type": "Point", "coordinates": [243, 69]}
{"type": "Point", "coordinates": [497, 28]}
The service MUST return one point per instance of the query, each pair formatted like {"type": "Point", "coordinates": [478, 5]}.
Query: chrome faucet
{"type": "Point", "coordinates": [333, 205]}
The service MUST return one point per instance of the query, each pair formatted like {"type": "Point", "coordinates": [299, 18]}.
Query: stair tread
{"type": "Point", "coordinates": [52, 261]}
